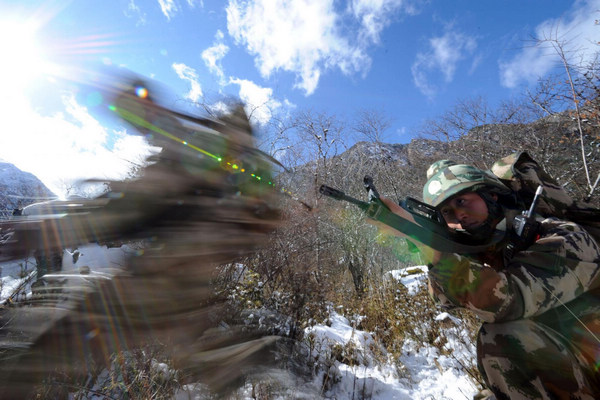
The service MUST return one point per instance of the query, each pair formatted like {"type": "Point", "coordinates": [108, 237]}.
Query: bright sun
{"type": "Point", "coordinates": [22, 59]}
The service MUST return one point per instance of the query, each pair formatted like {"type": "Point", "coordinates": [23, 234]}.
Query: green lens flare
{"type": "Point", "coordinates": [137, 120]}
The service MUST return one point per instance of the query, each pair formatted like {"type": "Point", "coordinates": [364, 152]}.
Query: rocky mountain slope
{"type": "Point", "coordinates": [399, 169]}
{"type": "Point", "coordinates": [19, 189]}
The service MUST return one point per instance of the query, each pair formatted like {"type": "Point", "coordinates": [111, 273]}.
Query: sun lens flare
{"type": "Point", "coordinates": [22, 58]}
{"type": "Point", "coordinates": [141, 92]}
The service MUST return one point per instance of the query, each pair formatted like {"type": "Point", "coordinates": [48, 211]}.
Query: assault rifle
{"type": "Point", "coordinates": [422, 223]}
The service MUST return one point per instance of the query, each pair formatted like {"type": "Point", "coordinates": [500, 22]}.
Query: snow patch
{"type": "Point", "coordinates": [420, 372]}
{"type": "Point", "coordinates": [412, 278]}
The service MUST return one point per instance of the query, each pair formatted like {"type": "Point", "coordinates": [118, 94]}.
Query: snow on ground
{"type": "Point", "coordinates": [14, 274]}
{"type": "Point", "coordinates": [420, 373]}
{"type": "Point", "coordinates": [412, 278]}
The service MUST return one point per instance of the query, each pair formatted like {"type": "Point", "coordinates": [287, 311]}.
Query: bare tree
{"type": "Point", "coordinates": [320, 138]}
{"type": "Point", "coordinates": [371, 125]}
{"type": "Point", "coordinates": [479, 134]}
{"type": "Point", "coordinates": [576, 89]}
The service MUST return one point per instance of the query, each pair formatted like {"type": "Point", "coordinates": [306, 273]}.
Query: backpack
{"type": "Point", "coordinates": [520, 172]}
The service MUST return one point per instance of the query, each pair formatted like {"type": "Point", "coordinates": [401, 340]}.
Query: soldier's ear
{"type": "Point", "coordinates": [495, 196]}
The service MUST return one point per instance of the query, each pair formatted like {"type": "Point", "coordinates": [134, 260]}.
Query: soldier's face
{"type": "Point", "coordinates": [465, 211]}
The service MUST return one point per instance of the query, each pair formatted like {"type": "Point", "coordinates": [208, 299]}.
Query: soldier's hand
{"type": "Point", "coordinates": [428, 254]}
{"type": "Point", "coordinates": [384, 228]}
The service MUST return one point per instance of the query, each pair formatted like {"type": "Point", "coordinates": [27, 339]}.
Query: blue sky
{"type": "Point", "coordinates": [409, 59]}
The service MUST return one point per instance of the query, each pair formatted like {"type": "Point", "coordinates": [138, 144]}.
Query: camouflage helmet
{"type": "Point", "coordinates": [456, 179]}
{"type": "Point", "coordinates": [437, 166]}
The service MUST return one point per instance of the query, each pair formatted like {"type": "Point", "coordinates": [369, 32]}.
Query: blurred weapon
{"type": "Point", "coordinates": [422, 223]}
{"type": "Point", "coordinates": [206, 199]}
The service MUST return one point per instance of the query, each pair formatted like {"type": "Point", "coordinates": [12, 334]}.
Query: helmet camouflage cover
{"type": "Point", "coordinates": [438, 166]}
{"type": "Point", "coordinates": [455, 179]}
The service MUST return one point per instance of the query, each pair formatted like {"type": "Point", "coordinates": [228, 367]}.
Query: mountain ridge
{"type": "Point", "coordinates": [19, 189]}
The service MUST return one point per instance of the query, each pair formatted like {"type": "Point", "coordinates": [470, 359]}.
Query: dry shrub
{"type": "Point", "coordinates": [287, 276]}
{"type": "Point", "coordinates": [394, 314]}
{"type": "Point", "coordinates": [143, 373]}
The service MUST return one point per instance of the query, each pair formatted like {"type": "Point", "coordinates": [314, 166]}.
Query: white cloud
{"type": "Point", "coordinates": [65, 147]}
{"type": "Point", "coordinates": [170, 7]}
{"type": "Point", "coordinates": [189, 74]}
{"type": "Point", "coordinates": [308, 37]}
{"type": "Point", "coordinates": [193, 3]}
{"type": "Point", "coordinates": [219, 107]}
{"type": "Point", "coordinates": [259, 102]}
{"type": "Point", "coordinates": [213, 55]}
{"type": "Point", "coordinates": [376, 15]}
{"type": "Point", "coordinates": [577, 29]}
{"type": "Point", "coordinates": [443, 55]}
{"type": "Point", "coordinates": [134, 11]}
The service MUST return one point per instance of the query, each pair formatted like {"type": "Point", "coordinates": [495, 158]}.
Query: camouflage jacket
{"type": "Point", "coordinates": [555, 282]}
{"type": "Point", "coordinates": [562, 266]}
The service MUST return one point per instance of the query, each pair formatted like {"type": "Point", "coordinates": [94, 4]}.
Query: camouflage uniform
{"type": "Point", "coordinates": [541, 307]}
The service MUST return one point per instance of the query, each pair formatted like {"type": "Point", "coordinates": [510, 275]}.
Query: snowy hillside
{"type": "Point", "coordinates": [420, 373]}
{"type": "Point", "coordinates": [19, 188]}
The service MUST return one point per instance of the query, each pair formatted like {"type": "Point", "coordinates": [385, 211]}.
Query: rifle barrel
{"type": "Point", "coordinates": [339, 195]}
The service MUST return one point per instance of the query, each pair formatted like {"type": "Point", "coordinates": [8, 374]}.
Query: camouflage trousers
{"type": "Point", "coordinates": [526, 360]}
